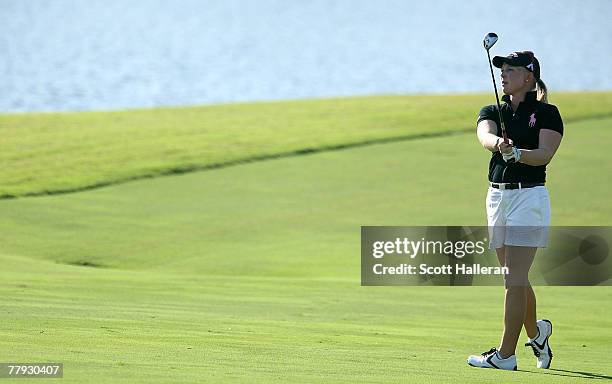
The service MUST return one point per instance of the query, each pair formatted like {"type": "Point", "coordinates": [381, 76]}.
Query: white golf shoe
{"type": "Point", "coordinates": [491, 359]}
{"type": "Point", "coordinates": [540, 346]}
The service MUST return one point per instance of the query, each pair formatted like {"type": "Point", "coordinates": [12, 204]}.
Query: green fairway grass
{"type": "Point", "coordinates": [54, 152]}
{"type": "Point", "coordinates": [250, 273]}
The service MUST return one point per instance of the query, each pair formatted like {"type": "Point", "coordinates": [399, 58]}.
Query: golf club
{"type": "Point", "coordinates": [489, 40]}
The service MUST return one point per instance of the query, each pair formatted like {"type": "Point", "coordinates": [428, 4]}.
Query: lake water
{"type": "Point", "coordinates": [112, 54]}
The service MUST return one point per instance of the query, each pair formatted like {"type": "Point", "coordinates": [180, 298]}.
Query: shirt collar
{"type": "Point", "coordinates": [530, 97]}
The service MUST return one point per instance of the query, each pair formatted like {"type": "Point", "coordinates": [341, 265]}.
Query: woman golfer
{"type": "Point", "coordinates": [518, 207]}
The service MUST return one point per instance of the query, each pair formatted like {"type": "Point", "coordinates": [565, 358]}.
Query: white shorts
{"type": "Point", "coordinates": [518, 217]}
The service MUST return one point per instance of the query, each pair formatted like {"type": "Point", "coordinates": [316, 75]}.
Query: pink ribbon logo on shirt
{"type": "Point", "coordinates": [532, 120]}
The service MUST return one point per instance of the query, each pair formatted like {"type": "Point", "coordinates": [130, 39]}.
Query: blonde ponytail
{"type": "Point", "coordinates": [541, 91]}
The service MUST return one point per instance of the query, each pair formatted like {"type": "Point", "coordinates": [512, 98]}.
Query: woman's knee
{"type": "Point", "coordinates": [518, 260]}
{"type": "Point", "coordinates": [516, 280]}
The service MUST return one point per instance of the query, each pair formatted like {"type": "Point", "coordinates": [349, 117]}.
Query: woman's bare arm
{"type": "Point", "coordinates": [549, 143]}
{"type": "Point", "coordinates": [486, 132]}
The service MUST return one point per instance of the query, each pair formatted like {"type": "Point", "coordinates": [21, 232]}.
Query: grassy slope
{"type": "Point", "coordinates": [328, 195]}
{"type": "Point", "coordinates": [44, 153]}
{"type": "Point", "coordinates": [251, 273]}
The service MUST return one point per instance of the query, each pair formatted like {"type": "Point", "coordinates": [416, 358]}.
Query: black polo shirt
{"type": "Point", "coordinates": [523, 127]}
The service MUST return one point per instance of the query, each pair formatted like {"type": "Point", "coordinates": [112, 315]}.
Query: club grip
{"type": "Point", "coordinates": [503, 128]}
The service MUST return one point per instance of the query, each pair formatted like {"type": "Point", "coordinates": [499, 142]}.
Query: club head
{"type": "Point", "coordinates": [490, 40]}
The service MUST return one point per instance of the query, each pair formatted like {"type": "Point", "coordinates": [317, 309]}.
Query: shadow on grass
{"type": "Point", "coordinates": [587, 375]}
{"type": "Point", "coordinates": [85, 263]}
{"type": "Point", "coordinates": [576, 374]}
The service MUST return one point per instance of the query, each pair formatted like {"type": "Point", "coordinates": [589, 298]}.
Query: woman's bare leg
{"type": "Point", "coordinates": [518, 294]}
{"type": "Point", "coordinates": [530, 313]}
{"type": "Point", "coordinates": [530, 308]}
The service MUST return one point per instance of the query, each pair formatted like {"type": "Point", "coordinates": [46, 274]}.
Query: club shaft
{"type": "Point", "coordinates": [501, 119]}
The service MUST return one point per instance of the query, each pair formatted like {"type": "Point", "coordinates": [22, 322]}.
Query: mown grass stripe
{"type": "Point", "coordinates": [48, 154]}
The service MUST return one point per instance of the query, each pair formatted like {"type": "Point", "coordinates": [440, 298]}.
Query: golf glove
{"type": "Point", "coordinates": [512, 157]}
